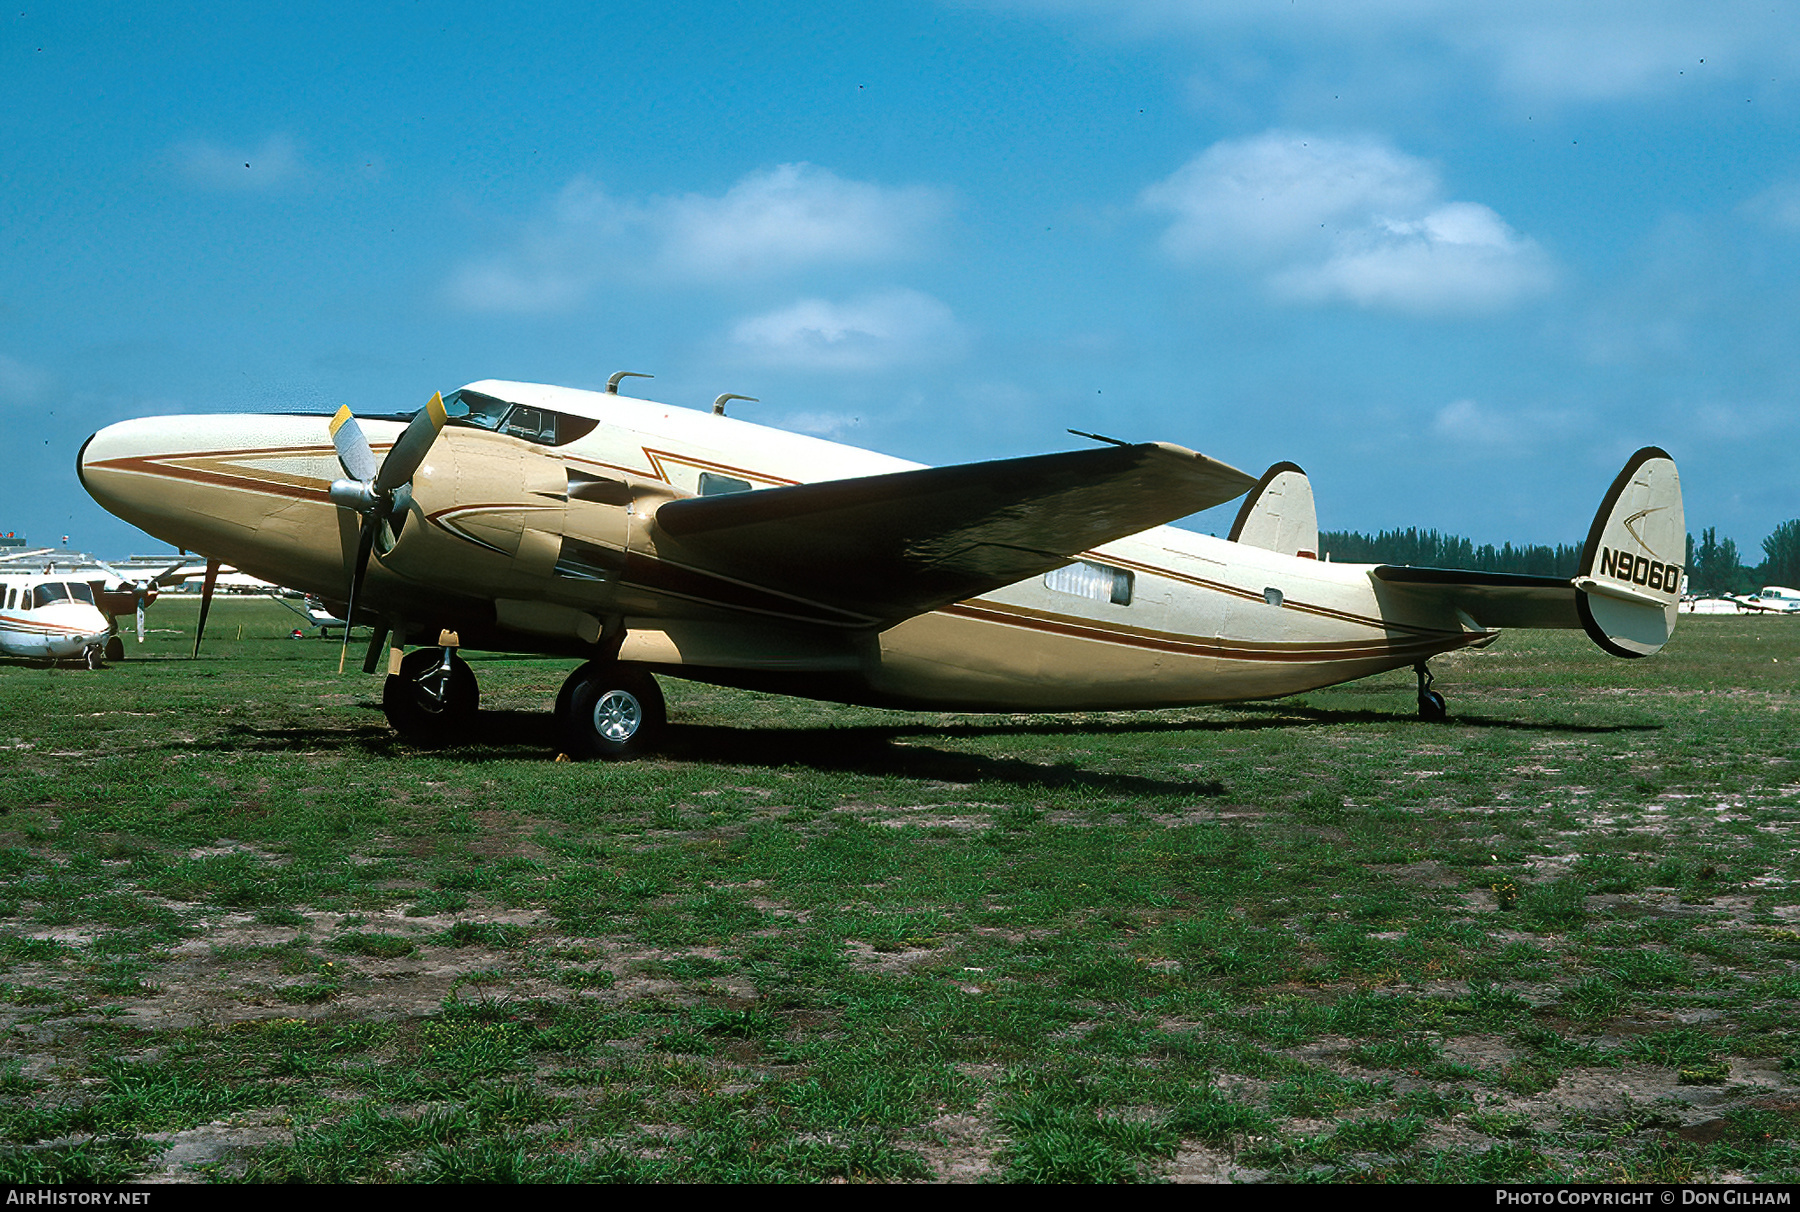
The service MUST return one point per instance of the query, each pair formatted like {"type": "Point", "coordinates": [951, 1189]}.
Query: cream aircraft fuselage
{"type": "Point", "coordinates": [600, 532]}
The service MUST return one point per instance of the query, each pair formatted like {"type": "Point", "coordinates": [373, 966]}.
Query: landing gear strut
{"type": "Point", "coordinates": [92, 655]}
{"type": "Point", "coordinates": [610, 710]}
{"type": "Point", "coordinates": [1431, 703]}
{"type": "Point", "coordinates": [434, 696]}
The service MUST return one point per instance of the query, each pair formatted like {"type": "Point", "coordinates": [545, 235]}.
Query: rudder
{"type": "Point", "coordinates": [1628, 588]}
{"type": "Point", "coordinates": [1278, 514]}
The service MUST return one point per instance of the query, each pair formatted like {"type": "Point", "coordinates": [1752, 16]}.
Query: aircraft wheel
{"type": "Point", "coordinates": [1432, 706]}
{"type": "Point", "coordinates": [611, 711]}
{"type": "Point", "coordinates": [115, 649]}
{"type": "Point", "coordinates": [422, 705]}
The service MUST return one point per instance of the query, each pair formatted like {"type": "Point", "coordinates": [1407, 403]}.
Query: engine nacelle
{"type": "Point", "coordinates": [497, 517]}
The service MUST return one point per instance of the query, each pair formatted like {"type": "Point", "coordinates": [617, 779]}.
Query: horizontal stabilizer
{"type": "Point", "coordinates": [1490, 599]}
{"type": "Point", "coordinates": [891, 546]}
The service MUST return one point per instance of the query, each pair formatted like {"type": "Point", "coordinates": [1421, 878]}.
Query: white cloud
{"type": "Point", "coordinates": [795, 216]}
{"type": "Point", "coordinates": [1466, 423]}
{"type": "Point", "coordinates": [22, 385]}
{"type": "Point", "coordinates": [874, 332]}
{"type": "Point", "coordinates": [819, 424]}
{"type": "Point", "coordinates": [1351, 220]}
{"type": "Point", "coordinates": [274, 163]}
{"type": "Point", "coordinates": [1545, 50]}
{"type": "Point", "coordinates": [1778, 206]}
{"type": "Point", "coordinates": [787, 219]}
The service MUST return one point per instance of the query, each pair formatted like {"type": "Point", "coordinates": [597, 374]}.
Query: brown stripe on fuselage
{"type": "Point", "coordinates": [1301, 651]}
{"type": "Point", "coordinates": [1251, 595]}
{"type": "Point", "coordinates": [204, 467]}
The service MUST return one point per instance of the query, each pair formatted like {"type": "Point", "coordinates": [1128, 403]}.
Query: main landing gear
{"type": "Point", "coordinates": [1431, 703]}
{"type": "Point", "coordinates": [610, 710]}
{"type": "Point", "coordinates": [433, 697]}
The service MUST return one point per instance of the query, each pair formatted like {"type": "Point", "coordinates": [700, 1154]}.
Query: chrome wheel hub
{"type": "Point", "coordinates": [618, 715]}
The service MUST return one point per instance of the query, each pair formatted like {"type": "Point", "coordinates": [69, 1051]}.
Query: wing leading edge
{"type": "Point", "coordinates": [892, 546]}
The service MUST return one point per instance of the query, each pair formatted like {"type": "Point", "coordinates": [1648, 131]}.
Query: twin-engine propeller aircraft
{"type": "Point", "coordinates": [49, 615]}
{"type": "Point", "coordinates": [644, 538]}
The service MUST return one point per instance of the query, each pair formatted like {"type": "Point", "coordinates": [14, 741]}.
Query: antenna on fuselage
{"type": "Point", "coordinates": [612, 384]}
{"type": "Point", "coordinates": [719, 404]}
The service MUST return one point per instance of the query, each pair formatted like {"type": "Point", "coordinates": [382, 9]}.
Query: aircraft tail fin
{"type": "Point", "coordinates": [1278, 514]}
{"type": "Point", "coordinates": [1628, 587]}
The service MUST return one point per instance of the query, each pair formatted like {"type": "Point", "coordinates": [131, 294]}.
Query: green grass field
{"type": "Point", "coordinates": [247, 934]}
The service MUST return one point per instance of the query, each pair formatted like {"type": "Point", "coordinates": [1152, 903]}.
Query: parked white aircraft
{"type": "Point", "coordinates": [1772, 599]}
{"type": "Point", "coordinates": [47, 614]}
{"type": "Point", "coordinates": [647, 538]}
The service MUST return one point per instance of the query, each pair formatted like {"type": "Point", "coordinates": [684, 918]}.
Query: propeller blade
{"type": "Point", "coordinates": [410, 450]}
{"type": "Point", "coordinates": [175, 573]}
{"type": "Point", "coordinates": [206, 592]}
{"type": "Point", "coordinates": [140, 600]}
{"type": "Point", "coordinates": [354, 453]}
{"type": "Point", "coordinates": [124, 581]}
{"type": "Point", "coordinates": [365, 542]}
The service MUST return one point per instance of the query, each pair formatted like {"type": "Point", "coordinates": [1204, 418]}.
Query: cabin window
{"type": "Point", "coordinates": [712, 484]}
{"type": "Point", "coordinates": [540, 425]}
{"type": "Point", "coordinates": [12, 598]}
{"type": "Point", "coordinates": [1095, 581]}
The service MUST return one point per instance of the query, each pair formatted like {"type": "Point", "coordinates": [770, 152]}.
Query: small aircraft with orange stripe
{"type": "Point", "coordinates": [47, 615]}
{"type": "Point", "coordinates": [649, 540]}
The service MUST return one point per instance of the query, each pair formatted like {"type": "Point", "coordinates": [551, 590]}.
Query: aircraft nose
{"type": "Point", "coordinates": [207, 483]}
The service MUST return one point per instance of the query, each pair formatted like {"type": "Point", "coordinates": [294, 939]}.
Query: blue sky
{"type": "Point", "coordinates": [1455, 259]}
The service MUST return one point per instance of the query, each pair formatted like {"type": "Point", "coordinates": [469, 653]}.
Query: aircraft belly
{"type": "Point", "coordinates": [1026, 648]}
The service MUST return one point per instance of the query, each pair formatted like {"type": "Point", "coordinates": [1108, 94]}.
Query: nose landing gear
{"type": "Point", "coordinates": [434, 697]}
{"type": "Point", "coordinates": [1431, 703]}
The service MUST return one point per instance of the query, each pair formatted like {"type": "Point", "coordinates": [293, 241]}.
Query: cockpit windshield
{"type": "Point", "coordinates": [53, 591]}
{"type": "Point", "coordinates": [540, 425]}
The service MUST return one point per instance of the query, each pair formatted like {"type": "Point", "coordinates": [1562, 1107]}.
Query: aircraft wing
{"type": "Point", "coordinates": [1490, 599]}
{"type": "Point", "coordinates": [891, 546]}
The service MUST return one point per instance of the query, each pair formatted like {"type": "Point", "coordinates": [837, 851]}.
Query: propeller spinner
{"type": "Point", "coordinates": [378, 490]}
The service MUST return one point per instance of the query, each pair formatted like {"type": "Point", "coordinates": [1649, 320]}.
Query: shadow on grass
{"type": "Point", "coordinates": [1307, 716]}
{"type": "Point", "coordinates": [862, 749]}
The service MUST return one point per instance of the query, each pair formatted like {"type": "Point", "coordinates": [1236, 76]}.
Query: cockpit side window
{"type": "Point", "coordinates": [532, 424]}
{"type": "Point", "coordinates": [49, 592]}
{"type": "Point", "coordinates": [538, 425]}
{"type": "Point", "coordinates": [472, 408]}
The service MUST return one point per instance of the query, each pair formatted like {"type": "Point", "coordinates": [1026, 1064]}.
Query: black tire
{"type": "Point", "coordinates": [1432, 707]}
{"type": "Point", "coordinates": [413, 707]}
{"type": "Point", "coordinates": [115, 648]}
{"type": "Point", "coordinates": [610, 711]}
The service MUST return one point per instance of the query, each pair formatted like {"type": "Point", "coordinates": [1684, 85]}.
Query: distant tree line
{"type": "Point", "coordinates": [1714, 565]}
{"type": "Point", "coordinates": [1430, 549]}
